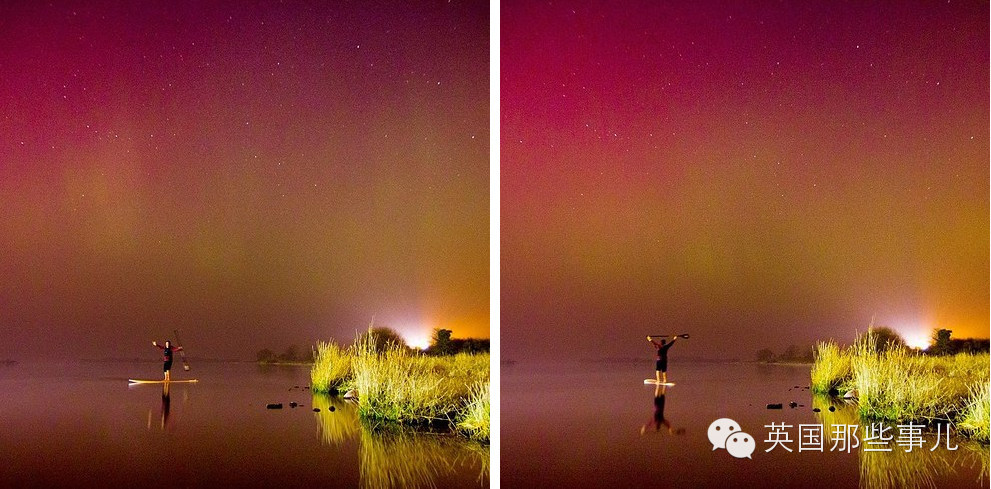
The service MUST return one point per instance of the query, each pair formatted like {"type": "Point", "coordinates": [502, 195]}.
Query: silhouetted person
{"type": "Point", "coordinates": [167, 352]}
{"type": "Point", "coordinates": [662, 357]}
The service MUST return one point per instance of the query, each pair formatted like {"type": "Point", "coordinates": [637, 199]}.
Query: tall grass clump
{"type": "Point", "coordinates": [897, 386]}
{"type": "Point", "coordinates": [331, 369]}
{"type": "Point", "coordinates": [831, 367]}
{"type": "Point", "coordinates": [475, 419]}
{"type": "Point", "coordinates": [397, 385]}
{"type": "Point", "coordinates": [974, 419]}
{"type": "Point", "coordinates": [894, 384]}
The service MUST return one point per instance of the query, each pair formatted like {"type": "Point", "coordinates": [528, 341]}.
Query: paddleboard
{"type": "Point", "coordinates": [139, 381]}
{"type": "Point", "coordinates": [652, 381]}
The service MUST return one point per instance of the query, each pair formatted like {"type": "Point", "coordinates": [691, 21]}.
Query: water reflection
{"type": "Point", "coordinates": [165, 407]}
{"type": "Point", "coordinates": [394, 456]}
{"type": "Point", "coordinates": [337, 419]}
{"type": "Point", "coordinates": [166, 404]}
{"type": "Point", "coordinates": [403, 458]}
{"type": "Point", "coordinates": [834, 414]}
{"type": "Point", "coordinates": [658, 420]}
{"type": "Point", "coordinates": [286, 371]}
{"type": "Point", "coordinates": [918, 469]}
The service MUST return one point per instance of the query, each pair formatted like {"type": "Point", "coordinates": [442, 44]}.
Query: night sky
{"type": "Point", "coordinates": [756, 174]}
{"type": "Point", "coordinates": [256, 174]}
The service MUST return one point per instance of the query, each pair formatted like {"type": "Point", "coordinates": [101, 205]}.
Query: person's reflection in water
{"type": "Point", "coordinates": [166, 401]}
{"type": "Point", "coordinates": [659, 420]}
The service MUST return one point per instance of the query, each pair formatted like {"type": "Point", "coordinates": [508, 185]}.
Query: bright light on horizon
{"type": "Point", "coordinates": [418, 341]}
{"type": "Point", "coordinates": [917, 340]}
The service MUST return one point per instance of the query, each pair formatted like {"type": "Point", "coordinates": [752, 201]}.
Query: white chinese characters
{"type": "Point", "coordinates": [877, 437]}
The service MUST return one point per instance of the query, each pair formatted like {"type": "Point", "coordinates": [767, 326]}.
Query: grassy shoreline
{"type": "Point", "coordinates": [898, 385]}
{"type": "Point", "coordinates": [396, 385]}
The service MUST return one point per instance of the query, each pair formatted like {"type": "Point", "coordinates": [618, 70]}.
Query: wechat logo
{"type": "Point", "coordinates": [726, 433]}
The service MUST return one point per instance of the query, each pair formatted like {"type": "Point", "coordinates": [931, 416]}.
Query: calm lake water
{"type": "Point", "coordinates": [81, 425]}
{"type": "Point", "coordinates": [595, 425]}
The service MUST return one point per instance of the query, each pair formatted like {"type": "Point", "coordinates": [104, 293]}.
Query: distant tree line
{"type": "Point", "coordinates": [441, 343]}
{"type": "Point", "coordinates": [383, 339]}
{"type": "Point", "coordinates": [942, 344]}
{"type": "Point", "coordinates": [291, 355]}
{"type": "Point", "coordinates": [884, 339]}
{"type": "Point", "coordinates": [792, 354]}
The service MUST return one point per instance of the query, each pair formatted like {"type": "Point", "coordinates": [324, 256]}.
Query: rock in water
{"type": "Point", "coordinates": [293, 404]}
{"type": "Point", "coordinates": [774, 406]}
{"type": "Point", "coordinates": [274, 405]}
{"type": "Point", "coordinates": [832, 409]}
{"type": "Point", "coordinates": [793, 404]}
{"type": "Point", "coordinates": [332, 409]}
{"type": "Point", "coordinates": [316, 410]}
{"type": "Point", "coordinates": [815, 410]}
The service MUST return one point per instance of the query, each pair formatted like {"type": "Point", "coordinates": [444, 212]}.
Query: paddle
{"type": "Point", "coordinates": [182, 353]}
{"type": "Point", "coordinates": [685, 335]}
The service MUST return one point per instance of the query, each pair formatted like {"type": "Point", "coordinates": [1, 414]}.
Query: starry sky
{"type": "Point", "coordinates": [756, 174]}
{"type": "Point", "coordinates": [253, 173]}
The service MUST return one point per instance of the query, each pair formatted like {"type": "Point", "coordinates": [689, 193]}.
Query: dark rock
{"type": "Point", "coordinates": [332, 409]}
{"type": "Point", "coordinates": [834, 392]}
{"type": "Point", "coordinates": [293, 404]}
{"type": "Point", "coordinates": [274, 406]}
{"type": "Point", "coordinates": [306, 387]}
{"type": "Point", "coordinates": [797, 387]}
{"type": "Point", "coordinates": [816, 410]}
{"type": "Point", "coordinates": [793, 404]}
{"type": "Point", "coordinates": [774, 406]}
{"type": "Point", "coordinates": [316, 410]}
{"type": "Point", "coordinates": [831, 409]}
